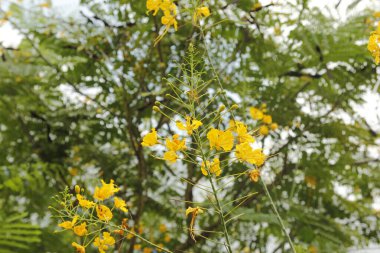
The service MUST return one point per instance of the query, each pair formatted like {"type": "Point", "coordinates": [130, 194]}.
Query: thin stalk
{"type": "Point", "coordinates": [278, 217]}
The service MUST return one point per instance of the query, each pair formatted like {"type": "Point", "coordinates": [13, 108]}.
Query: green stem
{"type": "Point", "coordinates": [278, 217]}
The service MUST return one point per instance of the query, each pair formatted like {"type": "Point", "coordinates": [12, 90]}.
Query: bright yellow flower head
{"type": "Point", "coordinates": [201, 11]}
{"type": "Point", "coordinates": [79, 248]}
{"type": "Point", "coordinates": [103, 244]}
{"type": "Point", "coordinates": [264, 130]}
{"type": "Point", "coordinates": [162, 228]}
{"type": "Point", "coordinates": [273, 126]}
{"type": "Point", "coordinates": [175, 144]}
{"type": "Point", "coordinates": [256, 113]}
{"type": "Point", "coordinates": [241, 129]}
{"type": "Point", "coordinates": [374, 46]}
{"type": "Point", "coordinates": [83, 202]}
{"type": "Point", "coordinates": [191, 125]}
{"type": "Point", "coordinates": [69, 224]}
{"type": "Point", "coordinates": [254, 175]}
{"type": "Point", "coordinates": [214, 167]}
{"type": "Point", "coordinates": [267, 119]}
{"type": "Point", "coordinates": [153, 5]}
{"type": "Point", "coordinates": [170, 156]}
{"type": "Point", "coordinates": [119, 203]}
{"type": "Point", "coordinates": [81, 229]}
{"type": "Point", "coordinates": [194, 211]}
{"type": "Point", "coordinates": [167, 6]}
{"type": "Point", "coordinates": [220, 139]}
{"type": "Point", "coordinates": [150, 139]}
{"type": "Point", "coordinates": [169, 20]}
{"type": "Point", "coordinates": [104, 213]}
{"type": "Point", "coordinates": [244, 152]}
{"type": "Point", "coordinates": [106, 191]}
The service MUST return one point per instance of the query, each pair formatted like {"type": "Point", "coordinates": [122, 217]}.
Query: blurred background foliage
{"type": "Point", "coordinates": [76, 96]}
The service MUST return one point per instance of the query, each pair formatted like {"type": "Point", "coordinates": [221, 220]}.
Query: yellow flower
{"type": "Point", "coordinates": [137, 247]}
{"type": "Point", "coordinates": [170, 156]}
{"type": "Point", "coordinates": [150, 139]}
{"type": "Point", "coordinates": [244, 152]}
{"type": "Point", "coordinates": [147, 250]}
{"type": "Point", "coordinates": [374, 46]}
{"type": "Point", "coordinates": [167, 238]}
{"type": "Point", "coordinates": [311, 181]}
{"type": "Point", "coordinates": [103, 212]}
{"type": "Point", "coordinates": [273, 126]}
{"type": "Point", "coordinates": [201, 11]}
{"type": "Point", "coordinates": [162, 228]}
{"type": "Point", "coordinates": [376, 14]}
{"type": "Point", "coordinates": [79, 248]}
{"type": "Point", "coordinates": [254, 175]}
{"type": "Point", "coordinates": [169, 20]}
{"type": "Point", "coordinates": [153, 5]}
{"type": "Point", "coordinates": [267, 119]}
{"type": "Point", "coordinates": [241, 129]}
{"type": "Point", "coordinates": [257, 6]}
{"type": "Point", "coordinates": [84, 202]}
{"type": "Point", "coordinates": [264, 130]}
{"type": "Point", "coordinates": [167, 6]}
{"type": "Point", "coordinates": [214, 167]}
{"type": "Point", "coordinates": [175, 144]}
{"type": "Point", "coordinates": [69, 224]}
{"type": "Point", "coordinates": [191, 125]}
{"type": "Point", "coordinates": [106, 191]}
{"type": "Point", "coordinates": [119, 203]}
{"type": "Point", "coordinates": [103, 244]}
{"type": "Point", "coordinates": [194, 211]}
{"type": "Point", "coordinates": [256, 113]}
{"type": "Point", "coordinates": [80, 230]}
{"type": "Point", "coordinates": [220, 139]}
{"type": "Point", "coordinates": [77, 189]}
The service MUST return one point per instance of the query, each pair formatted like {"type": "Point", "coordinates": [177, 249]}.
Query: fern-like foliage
{"type": "Point", "coordinates": [16, 235]}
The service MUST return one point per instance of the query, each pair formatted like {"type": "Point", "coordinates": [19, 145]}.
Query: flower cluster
{"type": "Point", "coordinates": [267, 123]}
{"type": "Point", "coordinates": [210, 142]}
{"type": "Point", "coordinates": [170, 12]}
{"type": "Point", "coordinates": [374, 44]}
{"type": "Point", "coordinates": [78, 215]}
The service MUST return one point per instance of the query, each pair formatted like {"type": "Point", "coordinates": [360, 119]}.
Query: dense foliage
{"type": "Point", "coordinates": [76, 97]}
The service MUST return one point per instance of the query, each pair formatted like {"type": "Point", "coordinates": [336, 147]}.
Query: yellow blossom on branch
{"type": "Point", "coordinates": [214, 167]}
{"type": "Point", "coordinates": [264, 130]}
{"type": "Point", "coordinates": [241, 129]}
{"type": "Point", "coordinates": [106, 191]}
{"type": "Point", "coordinates": [83, 202]}
{"type": "Point", "coordinates": [103, 244]}
{"type": "Point", "coordinates": [220, 139]}
{"type": "Point", "coordinates": [120, 204]}
{"type": "Point", "coordinates": [244, 152]}
{"type": "Point", "coordinates": [104, 213]}
{"type": "Point", "coordinates": [201, 11]}
{"type": "Point", "coordinates": [150, 139]}
{"type": "Point", "coordinates": [153, 5]}
{"type": "Point", "coordinates": [175, 144]}
{"type": "Point", "coordinates": [69, 224]}
{"type": "Point", "coordinates": [374, 45]}
{"type": "Point", "coordinates": [254, 175]}
{"type": "Point", "coordinates": [256, 113]}
{"type": "Point", "coordinates": [194, 211]}
{"type": "Point", "coordinates": [79, 248]}
{"type": "Point", "coordinates": [273, 126]}
{"type": "Point", "coordinates": [170, 156]}
{"type": "Point", "coordinates": [267, 119]}
{"type": "Point", "coordinates": [81, 229]}
{"type": "Point", "coordinates": [190, 125]}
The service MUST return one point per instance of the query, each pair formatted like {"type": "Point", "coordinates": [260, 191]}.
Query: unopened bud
{"type": "Point", "coordinates": [157, 103]}
{"type": "Point", "coordinates": [222, 108]}
{"type": "Point", "coordinates": [77, 189]}
{"type": "Point", "coordinates": [167, 95]}
{"type": "Point", "coordinates": [234, 107]}
{"type": "Point", "coordinates": [155, 108]}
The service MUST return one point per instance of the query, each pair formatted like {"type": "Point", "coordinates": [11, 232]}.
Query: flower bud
{"type": "Point", "coordinates": [157, 103]}
{"type": "Point", "coordinates": [155, 108]}
{"type": "Point", "coordinates": [77, 189]}
{"type": "Point", "coordinates": [234, 107]}
{"type": "Point", "coordinates": [222, 108]}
